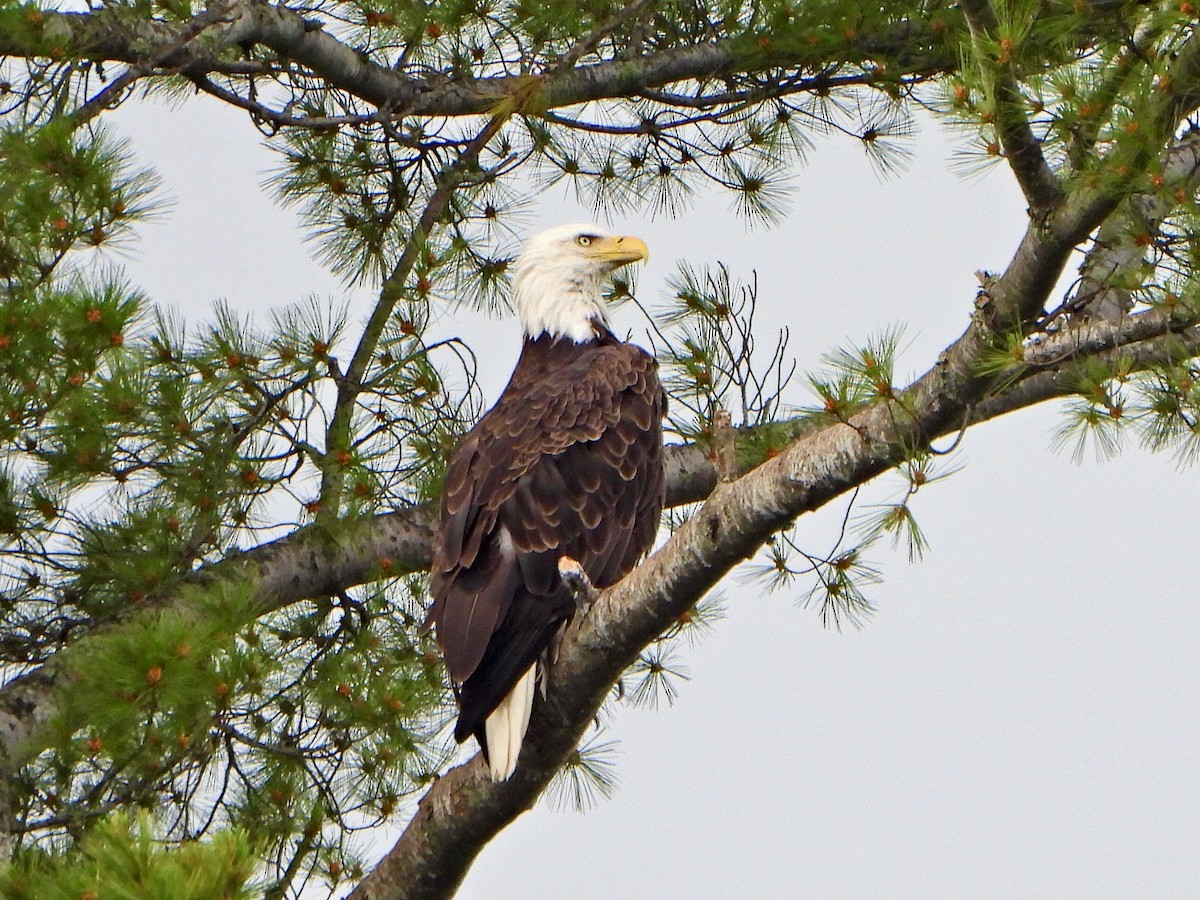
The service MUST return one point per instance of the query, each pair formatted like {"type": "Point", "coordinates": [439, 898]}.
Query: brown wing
{"type": "Point", "coordinates": [567, 463]}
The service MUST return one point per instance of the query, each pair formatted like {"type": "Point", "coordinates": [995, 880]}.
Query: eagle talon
{"type": "Point", "coordinates": [578, 583]}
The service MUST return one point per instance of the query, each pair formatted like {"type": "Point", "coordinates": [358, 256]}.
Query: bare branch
{"type": "Point", "coordinates": [276, 118]}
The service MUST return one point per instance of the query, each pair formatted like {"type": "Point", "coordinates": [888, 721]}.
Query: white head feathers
{"type": "Point", "coordinates": [558, 279]}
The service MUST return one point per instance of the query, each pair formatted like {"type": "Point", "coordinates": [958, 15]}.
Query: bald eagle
{"type": "Point", "coordinates": [568, 463]}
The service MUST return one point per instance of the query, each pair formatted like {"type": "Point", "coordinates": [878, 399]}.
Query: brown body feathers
{"type": "Point", "coordinates": [567, 463]}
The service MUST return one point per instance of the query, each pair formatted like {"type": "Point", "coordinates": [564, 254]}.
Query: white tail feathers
{"type": "Point", "coordinates": [505, 727]}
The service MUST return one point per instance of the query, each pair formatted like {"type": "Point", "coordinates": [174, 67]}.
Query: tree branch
{"type": "Point", "coordinates": [1057, 381]}
{"type": "Point", "coordinates": [1021, 147]}
{"type": "Point", "coordinates": [110, 35]}
{"type": "Point", "coordinates": [1110, 273]}
{"type": "Point", "coordinates": [350, 384]}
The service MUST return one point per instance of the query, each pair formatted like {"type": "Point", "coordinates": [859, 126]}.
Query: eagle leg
{"type": "Point", "coordinates": [578, 583]}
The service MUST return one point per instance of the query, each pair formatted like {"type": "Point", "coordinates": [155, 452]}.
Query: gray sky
{"type": "Point", "coordinates": [1018, 720]}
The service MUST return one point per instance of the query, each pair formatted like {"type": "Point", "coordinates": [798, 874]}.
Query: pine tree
{"type": "Point", "coordinates": [215, 532]}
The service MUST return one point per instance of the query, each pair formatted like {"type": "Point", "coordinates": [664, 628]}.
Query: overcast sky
{"type": "Point", "coordinates": [1020, 717]}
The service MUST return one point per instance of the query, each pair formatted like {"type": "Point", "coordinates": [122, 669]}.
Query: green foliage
{"type": "Point", "coordinates": [856, 376]}
{"type": "Point", "coordinates": [347, 738]}
{"type": "Point", "coordinates": [155, 683]}
{"type": "Point", "coordinates": [135, 451]}
{"type": "Point", "coordinates": [119, 858]}
{"type": "Point", "coordinates": [61, 192]}
{"type": "Point", "coordinates": [1160, 405]}
{"type": "Point", "coordinates": [656, 676]}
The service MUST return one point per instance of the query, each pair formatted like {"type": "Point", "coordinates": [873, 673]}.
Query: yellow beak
{"type": "Point", "coordinates": [619, 250]}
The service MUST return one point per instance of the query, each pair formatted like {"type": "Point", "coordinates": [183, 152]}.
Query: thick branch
{"type": "Point", "coordinates": [1113, 269]}
{"type": "Point", "coordinates": [112, 35]}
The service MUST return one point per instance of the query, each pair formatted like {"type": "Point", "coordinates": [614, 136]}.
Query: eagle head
{"type": "Point", "coordinates": [558, 279]}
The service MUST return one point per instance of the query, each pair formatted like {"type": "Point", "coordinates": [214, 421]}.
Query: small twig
{"type": "Point", "coordinates": [277, 118]}
{"type": "Point", "coordinates": [350, 385]}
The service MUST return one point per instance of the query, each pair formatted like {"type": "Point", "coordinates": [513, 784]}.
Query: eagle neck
{"type": "Point", "coordinates": [559, 304]}
{"type": "Point", "coordinates": [544, 353]}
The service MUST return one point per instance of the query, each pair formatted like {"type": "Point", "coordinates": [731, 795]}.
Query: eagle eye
{"type": "Point", "coordinates": [584, 240]}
